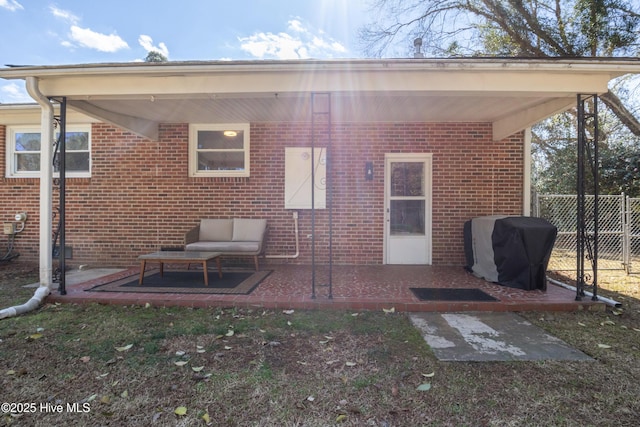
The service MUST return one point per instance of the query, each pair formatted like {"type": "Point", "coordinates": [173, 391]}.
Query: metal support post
{"type": "Point", "coordinates": [587, 175]}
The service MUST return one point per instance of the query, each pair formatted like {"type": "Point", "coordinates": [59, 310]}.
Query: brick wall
{"type": "Point", "coordinates": [140, 197]}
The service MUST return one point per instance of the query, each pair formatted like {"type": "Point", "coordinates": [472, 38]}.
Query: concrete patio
{"type": "Point", "coordinates": [359, 287]}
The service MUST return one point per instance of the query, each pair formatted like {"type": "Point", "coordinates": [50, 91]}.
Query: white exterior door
{"type": "Point", "coordinates": [408, 208]}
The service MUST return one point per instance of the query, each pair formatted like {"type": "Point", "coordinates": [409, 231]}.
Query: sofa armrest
{"type": "Point", "coordinates": [263, 238]}
{"type": "Point", "coordinates": [192, 235]}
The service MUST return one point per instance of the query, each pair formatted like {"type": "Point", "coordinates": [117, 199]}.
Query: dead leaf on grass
{"type": "Point", "coordinates": [180, 410]}
{"type": "Point", "coordinates": [424, 387]}
{"type": "Point", "coordinates": [34, 337]}
{"type": "Point", "coordinates": [389, 310]}
{"type": "Point", "coordinates": [89, 399]}
{"type": "Point", "coordinates": [604, 346]}
{"type": "Point", "coordinates": [341, 418]}
{"type": "Point", "coordinates": [180, 363]}
{"type": "Point", "coordinates": [429, 375]}
{"type": "Point", "coordinates": [124, 348]}
{"type": "Point", "coordinates": [85, 359]}
{"type": "Point", "coordinates": [197, 368]}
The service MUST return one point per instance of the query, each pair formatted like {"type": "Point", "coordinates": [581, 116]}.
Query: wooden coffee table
{"type": "Point", "coordinates": [180, 257]}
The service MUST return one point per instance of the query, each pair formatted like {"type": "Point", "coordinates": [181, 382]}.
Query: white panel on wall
{"type": "Point", "coordinates": [297, 177]}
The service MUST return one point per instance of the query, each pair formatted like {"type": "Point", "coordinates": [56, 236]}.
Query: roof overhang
{"type": "Point", "coordinates": [512, 93]}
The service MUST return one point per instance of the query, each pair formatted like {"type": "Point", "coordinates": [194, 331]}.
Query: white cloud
{"type": "Point", "coordinates": [147, 43]}
{"type": "Point", "coordinates": [65, 15]}
{"type": "Point", "coordinates": [14, 93]}
{"type": "Point", "coordinates": [85, 37]}
{"type": "Point", "coordinates": [300, 42]}
{"type": "Point", "coordinates": [11, 5]}
{"type": "Point", "coordinates": [296, 25]}
{"type": "Point", "coordinates": [103, 42]}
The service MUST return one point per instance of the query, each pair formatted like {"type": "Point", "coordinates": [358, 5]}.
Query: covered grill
{"type": "Point", "coordinates": [511, 251]}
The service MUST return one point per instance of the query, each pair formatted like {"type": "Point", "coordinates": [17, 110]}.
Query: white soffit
{"type": "Point", "coordinates": [510, 94]}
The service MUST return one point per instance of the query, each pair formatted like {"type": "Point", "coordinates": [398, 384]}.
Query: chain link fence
{"type": "Point", "coordinates": [632, 232]}
{"type": "Point", "coordinates": [618, 229]}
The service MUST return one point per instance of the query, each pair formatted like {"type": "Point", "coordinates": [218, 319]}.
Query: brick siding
{"type": "Point", "coordinates": [140, 197]}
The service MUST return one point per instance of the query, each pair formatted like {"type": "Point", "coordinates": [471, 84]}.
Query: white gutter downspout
{"type": "Point", "coordinates": [46, 204]}
{"type": "Point", "coordinates": [526, 195]}
{"type": "Point", "coordinates": [608, 301]}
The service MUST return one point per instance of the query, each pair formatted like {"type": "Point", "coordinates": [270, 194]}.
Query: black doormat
{"type": "Point", "coordinates": [188, 282]}
{"type": "Point", "coordinates": [451, 294]}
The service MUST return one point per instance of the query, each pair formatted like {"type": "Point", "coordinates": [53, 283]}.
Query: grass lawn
{"type": "Point", "coordinates": [132, 366]}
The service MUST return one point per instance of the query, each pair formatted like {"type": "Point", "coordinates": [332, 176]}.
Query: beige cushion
{"type": "Point", "coordinates": [248, 230]}
{"type": "Point", "coordinates": [216, 230]}
{"type": "Point", "coordinates": [237, 247]}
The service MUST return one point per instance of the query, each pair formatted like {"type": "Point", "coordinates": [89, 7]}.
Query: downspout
{"type": "Point", "coordinates": [46, 203]}
{"type": "Point", "coordinates": [526, 193]}
{"type": "Point", "coordinates": [295, 230]}
{"type": "Point", "coordinates": [608, 301]}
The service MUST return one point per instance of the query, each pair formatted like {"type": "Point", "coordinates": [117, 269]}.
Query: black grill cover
{"type": "Point", "coordinates": [511, 251]}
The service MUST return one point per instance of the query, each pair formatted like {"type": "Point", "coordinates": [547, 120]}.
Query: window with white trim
{"type": "Point", "coordinates": [24, 145]}
{"type": "Point", "coordinates": [219, 150]}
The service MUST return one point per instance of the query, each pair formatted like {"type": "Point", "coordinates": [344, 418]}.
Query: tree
{"type": "Point", "coordinates": [523, 28]}
{"type": "Point", "coordinates": [154, 56]}
{"type": "Point", "coordinates": [534, 28]}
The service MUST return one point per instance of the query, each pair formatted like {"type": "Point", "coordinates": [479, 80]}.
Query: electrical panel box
{"type": "Point", "coordinates": [9, 228]}
{"type": "Point", "coordinates": [297, 177]}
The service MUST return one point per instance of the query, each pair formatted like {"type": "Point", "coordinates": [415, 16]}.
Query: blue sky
{"type": "Point", "coordinates": [42, 32]}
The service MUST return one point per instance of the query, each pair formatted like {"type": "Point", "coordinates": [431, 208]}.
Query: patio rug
{"type": "Point", "coordinates": [451, 294]}
{"type": "Point", "coordinates": [189, 282]}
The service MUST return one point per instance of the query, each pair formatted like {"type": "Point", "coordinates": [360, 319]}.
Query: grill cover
{"type": "Point", "coordinates": [512, 251]}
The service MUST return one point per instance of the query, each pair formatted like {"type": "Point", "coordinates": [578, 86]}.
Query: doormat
{"type": "Point", "coordinates": [451, 294]}
{"type": "Point", "coordinates": [188, 282]}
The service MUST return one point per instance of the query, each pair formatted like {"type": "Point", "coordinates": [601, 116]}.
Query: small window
{"type": "Point", "coordinates": [24, 145]}
{"type": "Point", "coordinates": [219, 150]}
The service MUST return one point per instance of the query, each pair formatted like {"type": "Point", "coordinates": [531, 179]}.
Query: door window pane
{"type": "Point", "coordinates": [407, 217]}
{"type": "Point", "coordinates": [407, 179]}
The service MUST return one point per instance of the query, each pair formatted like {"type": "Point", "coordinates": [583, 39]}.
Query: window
{"type": "Point", "coordinates": [23, 151]}
{"type": "Point", "coordinates": [219, 150]}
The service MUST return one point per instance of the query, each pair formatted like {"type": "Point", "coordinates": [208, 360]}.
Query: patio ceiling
{"type": "Point", "coordinates": [512, 94]}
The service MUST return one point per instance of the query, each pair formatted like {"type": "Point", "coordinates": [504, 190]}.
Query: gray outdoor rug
{"type": "Point", "coordinates": [484, 337]}
{"type": "Point", "coordinates": [188, 282]}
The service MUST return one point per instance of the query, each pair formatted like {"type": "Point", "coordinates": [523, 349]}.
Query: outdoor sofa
{"type": "Point", "coordinates": [230, 237]}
